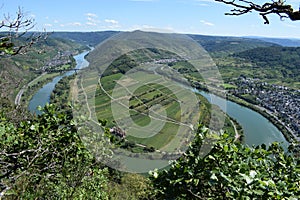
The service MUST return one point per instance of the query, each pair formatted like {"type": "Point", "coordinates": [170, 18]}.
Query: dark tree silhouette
{"type": "Point", "coordinates": [275, 7]}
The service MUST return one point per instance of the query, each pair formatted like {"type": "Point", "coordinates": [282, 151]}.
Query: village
{"type": "Point", "coordinates": [61, 58]}
{"type": "Point", "coordinates": [280, 100]}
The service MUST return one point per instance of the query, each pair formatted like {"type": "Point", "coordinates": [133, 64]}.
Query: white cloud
{"type": "Point", "coordinates": [289, 25]}
{"type": "Point", "coordinates": [92, 19]}
{"type": "Point", "coordinates": [48, 25]}
{"type": "Point", "coordinates": [202, 4]}
{"type": "Point", "coordinates": [111, 21]}
{"type": "Point", "coordinates": [150, 28]}
{"type": "Point", "coordinates": [76, 24]}
{"type": "Point", "coordinates": [206, 23]}
{"type": "Point", "coordinates": [145, 26]}
{"type": "Point", "coordinates": [71, 24]}
{"type": "Point", "coordinates": [91, 15]}
{"type": "Point", "coordinates": [91, 23]}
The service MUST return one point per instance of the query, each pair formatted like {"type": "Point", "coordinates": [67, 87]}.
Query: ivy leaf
{"type": "Point", "coordinates": [247, 178]}
{"type": "Point", "coordinates": [211, 157]}
{"type": "Point", "coordinates": [214, 177]}
{"type": "Point", "coordinates": [225, 148]}
{"type": "Point", "coordinates": [253, 173]}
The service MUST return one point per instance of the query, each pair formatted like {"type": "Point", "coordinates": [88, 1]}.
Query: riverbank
{"type": "Point", "coordinates": [257, 128]}
{"type": "Point", "coordinates": [42, 94]}
{"type": "Point", "coordinates": [32, 87]}
{"type": "Point", "coordinates": [289, 136]}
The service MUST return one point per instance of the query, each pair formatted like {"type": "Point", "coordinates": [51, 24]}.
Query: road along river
{"type": "Point", "coordinates": [43, 95]}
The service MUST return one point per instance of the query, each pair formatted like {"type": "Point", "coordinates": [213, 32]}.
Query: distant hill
{"type": "Point", "coordinates": [227, 45]}
{"type": "Point", "coordinates": [286, 42]}
{"type": "Point", "coordinates": [213, 44]}
{"type": "Point", "coordinates": [284, 60]}
{"type": "Point", "coordinates": [85, 38]}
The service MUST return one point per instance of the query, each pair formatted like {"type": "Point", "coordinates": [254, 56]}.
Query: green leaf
{"type": "Point", "coordinates": [252, 173]}
{"type": "Point", "coordinates": [225, 148]}
{"type": "Point", "coordinates": [211, 157]}
{"type": "Point", "coordinates": [247, 178]}
{"type": "Point", "coordinates": [214, 177]}
{"type": "Point", "coordinates": [258, 192]}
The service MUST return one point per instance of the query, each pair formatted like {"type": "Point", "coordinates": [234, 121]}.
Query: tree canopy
{"type": "Point", "coordinates": [230, 171]}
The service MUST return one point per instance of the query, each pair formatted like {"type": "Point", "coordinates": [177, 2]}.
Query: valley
{"type": "Point", "coordinates": [147, 111]}
{"type": "Point", "coordinates": [227, 61]}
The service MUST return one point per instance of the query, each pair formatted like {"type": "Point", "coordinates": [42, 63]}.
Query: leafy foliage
{"type": "Point", "coordinates": [131, 187]}
{"type": "Point", "coordinates": [44, 158]}
{"type": "Point", "coordinates": [230, 171]}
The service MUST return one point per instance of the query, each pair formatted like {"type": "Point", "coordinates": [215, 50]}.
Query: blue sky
{"type": "Point", "coordinates": [181, 16]}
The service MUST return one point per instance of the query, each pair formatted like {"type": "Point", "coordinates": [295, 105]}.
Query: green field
{"type": "Point", "coordinates": [157, 129]}
{"type": "Point", "coordinates": [149, 107]}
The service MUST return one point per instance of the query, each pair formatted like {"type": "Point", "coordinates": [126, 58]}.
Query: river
{"type": "Point", "coordinates": [257, 129]}
{"type": "Point", "coordinates": [42, 97]}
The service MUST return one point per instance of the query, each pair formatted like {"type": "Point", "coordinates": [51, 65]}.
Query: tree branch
{"type": "Point", "coordinates": [15, 28]}
{"type": "Point", "coordinates": [275, 7]}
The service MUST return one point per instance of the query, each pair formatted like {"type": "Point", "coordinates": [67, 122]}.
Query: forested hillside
{"type": "Point", "coordinates": [284, 57]}
{"type": "Point", "coordinates": [283, 62]}
{"type": "Point", "coordinates": [16, 71]}
{"type": "Point", "coordinates": [218, 45]}
{"type": "Point", "coordinates": [85, 38]}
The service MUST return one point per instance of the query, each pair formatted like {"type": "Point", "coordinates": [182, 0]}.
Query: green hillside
{"type": "Point", "coordinates": [223, 45]}
{"type": "Point", "coordinates": [16, 71]}
{"type": "Point", "coordinates": [280, 64]}
{"type": "Point", "coordinates": [85, 38]}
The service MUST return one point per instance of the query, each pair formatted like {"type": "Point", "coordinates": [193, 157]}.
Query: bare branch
{"type": "Point", "coordinates": [275, 7]}
{"type": "Point", "coordinates": [17, 27]}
